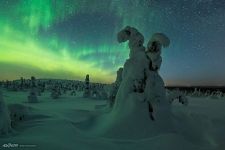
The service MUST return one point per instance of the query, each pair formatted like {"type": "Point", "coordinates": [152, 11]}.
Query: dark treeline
{"type": "Point", "coordinates": [201, 88]}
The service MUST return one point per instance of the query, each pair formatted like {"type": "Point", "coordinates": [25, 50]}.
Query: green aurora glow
{"type": "Point", "coordinates": [71, 38]}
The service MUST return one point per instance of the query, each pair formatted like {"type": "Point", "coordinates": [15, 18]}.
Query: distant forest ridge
{"type": "Point", "coordinates": [201, 88]}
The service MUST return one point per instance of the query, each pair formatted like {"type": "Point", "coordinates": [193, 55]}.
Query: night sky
{"type": "Point", "coordinates": [68, 39]}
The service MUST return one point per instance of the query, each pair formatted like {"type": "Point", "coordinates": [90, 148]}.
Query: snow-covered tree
{"type": "Point", "coordinates": [87, 92]}
{"type": "Point", "coordinates": [14, 86]}
{"type": "Point", "coordinates": [133, 107]}
{"type": "Point", "coordinates": [155, 89]}
{"type": "Point", "coordinates": [103, 93]}
{"type": "Point", "coordinates": [154, 47]}
{"type": "Point", "coordinates": [135, 67]}
{"type": "Point", "coordinates": [216, 94]}
{"type": "Point", "coordinates": [94, 92]}
{"type": "Point", "coordinates": [176, 94]}
{"type": "Point", "coordinates": [73, 92]}
{"type": "Point", "coordinates": [56, 92]}
{"type": "Point", "coordinates": [133, 71]}
{"type": "Point", "coordinates": [207, 93]}
{"type": "Point", "coordinates": [32, 98]}
{"type": "Point", "coordinates": [196, 93]}
{"type": "Point", "coordinates": [5, 121]}
{"type": "Point", "coordinates": [21, 83]}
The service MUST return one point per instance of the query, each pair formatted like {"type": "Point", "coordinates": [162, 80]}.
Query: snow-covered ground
{"type": "Point", "coordinates": [53, 124]}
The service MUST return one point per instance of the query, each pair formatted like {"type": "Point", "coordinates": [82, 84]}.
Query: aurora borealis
{"type": "Point", "coordinates": [68, 39]}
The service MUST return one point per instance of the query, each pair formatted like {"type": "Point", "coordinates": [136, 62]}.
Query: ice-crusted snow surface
{"type": "Point", "coordinates": [63, 124]}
